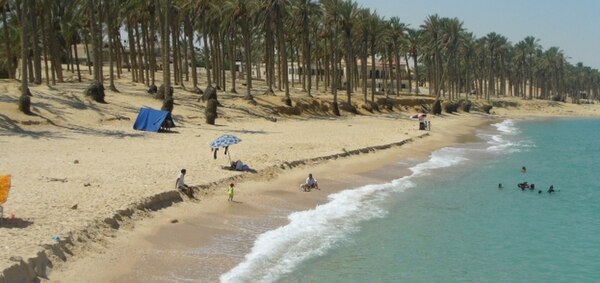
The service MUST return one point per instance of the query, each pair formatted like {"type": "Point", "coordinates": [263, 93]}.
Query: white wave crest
{"type": "Point", "coordinates": [310, 233]}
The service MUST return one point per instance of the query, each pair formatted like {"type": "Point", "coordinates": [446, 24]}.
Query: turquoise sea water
{"type": "Point", "coordinates": [449, 222]}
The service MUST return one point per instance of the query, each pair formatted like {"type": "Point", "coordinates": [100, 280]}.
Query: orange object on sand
{"type": "Point", "coordinates": [4, 188]}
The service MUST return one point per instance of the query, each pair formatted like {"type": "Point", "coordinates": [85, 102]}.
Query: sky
{"type": "Point", "coordinates": [571, 25]}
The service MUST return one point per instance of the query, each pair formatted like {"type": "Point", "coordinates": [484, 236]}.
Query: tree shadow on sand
{"type": "Point", "coordinates": [15, 223]}
{"type": "Point", "coordinates": [9, 127]}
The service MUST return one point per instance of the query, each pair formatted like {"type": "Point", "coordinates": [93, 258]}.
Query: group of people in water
{"type": "Point", "coordinates": [526, 186]}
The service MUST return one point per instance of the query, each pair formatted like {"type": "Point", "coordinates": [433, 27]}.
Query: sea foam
{"type": "Point", "coordinates": [313, 232]}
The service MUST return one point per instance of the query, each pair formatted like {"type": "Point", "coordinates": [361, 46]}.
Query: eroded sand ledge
{"type": "Point", "coordinates": [39, 265]}
{"type": "Point", "coordinates": [77, 153]}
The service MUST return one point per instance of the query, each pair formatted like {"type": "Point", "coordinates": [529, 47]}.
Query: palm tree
{"type": "Point", "coordinates": [24, 100]}
{"type": "Point", "coordinates": [168, 99]}
{"type": "Point", "coordinates": [96, 43]}
{"type": "Point", "coordinates": [331, 8]}
{"type": "Point", "coordinates": [279, 14]}
{"type": "Point", "coordinates": [451, 37]}
{"type": "Point", "coordinates": [431, 39]}
{"type": "Point", "coordinates": [397, 36]}
{"type": "Point", "coordinates": [348, 14]}
{"type": "Point", "coordinates": [242, 11]}
{"type": "Point", "coordinates": [374, 28]}
{"type": "Point", "coordinates": [306, 11]}
{"type": "Point", "coordinates": [363, 19]}
{"type": "Point", "coordinates": [4, 7]}
{"type": "Point", "coordinates": [413, 38]}
{"type": "Point", "coordinates": [467, 53]}
{"type": "Point", "coordinates": [531, 45]}
{"type": "Point", "coordinates": [37, 57]}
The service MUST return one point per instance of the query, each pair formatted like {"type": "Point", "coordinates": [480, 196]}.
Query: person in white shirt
{"type": "Point", "coordinates": [181, 185]}
{"type": "Point", "coordinates": [312, 182]}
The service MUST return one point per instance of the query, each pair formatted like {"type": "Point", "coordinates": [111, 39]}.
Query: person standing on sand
{"type": "Point", "coordinates": [230, 192]}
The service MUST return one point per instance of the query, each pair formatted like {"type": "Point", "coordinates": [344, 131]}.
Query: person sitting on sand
{"type": "Point", "coordinates": [551, 189]}
{"type": "Point", "coordinates": [239, 166]}
{"type": "Point", "coordinates": [230, 192]}
{"type": "Point", "coordinates": [182, 186]}
{"type": "Point", "coordinates": [311, 182]}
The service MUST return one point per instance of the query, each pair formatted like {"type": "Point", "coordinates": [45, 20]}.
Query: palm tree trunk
{"type": "Point", "coordinates": [77, 63]}
{"type": "Point", "coordinates": [111, 59]}
{"type": "Point", "coordinates": [166, 65]}
{"type": "Point", "coordinates": [48, 41]}
{"type": "Point", "coordinates": [185, 67]}
{"type": "Point", "coordinates": [140, 55]}
{"type": "Point", "coordinates": [132, 53]}
{"type": "Point", "coordinates": [44, 49]}
{"type": "Point", "coordinates": [87, 52]}
{"type": "Point", "coordinates": [232, 65]}
{"type": "Point", "coordinates": [91, 9]}
{"type": "Point", "coordinates": [7, 46]}
{"type": "Point", "coordinates": [188, 27]}
{"type": "Point", "coordinates": [408, 73]}
{"type": "Point", "coordinates": [334, 85]}
{"type": "Point", "coordinates": [373, 72]}
{"type": "Point", "coordinates": [175, 48]}
{"type": "Point", "coordinates": [416, 73]}
{"type": "Point", "coordinates": [145, 49]}
{"type": "Point", "coordinates": [37, 58]}
{"type": "Point", "coordinates": [248, 57]}
{"type": "Point", "coordinates": [24, 100]}
{"type": "Point", "coordinates": [206, 51]}
{"type": "Point", "coordinates": [365, 76]}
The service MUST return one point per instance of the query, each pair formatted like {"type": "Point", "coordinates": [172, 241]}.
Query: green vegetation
{"type": "Point", "coordinates": [332, 41]}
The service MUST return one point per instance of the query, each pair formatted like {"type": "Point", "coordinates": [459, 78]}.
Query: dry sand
{"type": "Point", "coordinates": [81, 173]}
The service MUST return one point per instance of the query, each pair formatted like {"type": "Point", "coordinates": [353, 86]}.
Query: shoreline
{"type": "Point", "coordinates": [156, 231]}
{"type": "Point", "coordinates": [81, 173]}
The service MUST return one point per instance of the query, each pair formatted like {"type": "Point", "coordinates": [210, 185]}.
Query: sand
{"type": "Point", "coordinates": [82, 175]}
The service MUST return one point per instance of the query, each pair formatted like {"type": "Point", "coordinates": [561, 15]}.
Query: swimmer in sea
{"type": "Point", "coordinates": [551, 189]}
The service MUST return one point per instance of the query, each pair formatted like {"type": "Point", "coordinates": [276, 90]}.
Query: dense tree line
{"type": "Point", "coordinates": [324, 39]}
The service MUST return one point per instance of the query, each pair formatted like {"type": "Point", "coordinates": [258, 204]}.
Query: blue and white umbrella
{"type": "Point", "coordinates": [224, 141]}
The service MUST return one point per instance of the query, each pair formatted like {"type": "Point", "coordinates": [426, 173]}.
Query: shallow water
{"type": "Point", "coordinates": [449, 222]}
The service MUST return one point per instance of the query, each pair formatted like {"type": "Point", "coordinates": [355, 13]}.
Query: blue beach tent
{"type": "Point", "coordinates": [152, 120]}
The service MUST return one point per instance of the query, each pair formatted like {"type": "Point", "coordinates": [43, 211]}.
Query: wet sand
{"type": "Point", "coordinates": [212, 236]}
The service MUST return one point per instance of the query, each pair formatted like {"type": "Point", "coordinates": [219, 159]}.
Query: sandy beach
{"type": "Point", "coordinates": [85, 184]}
